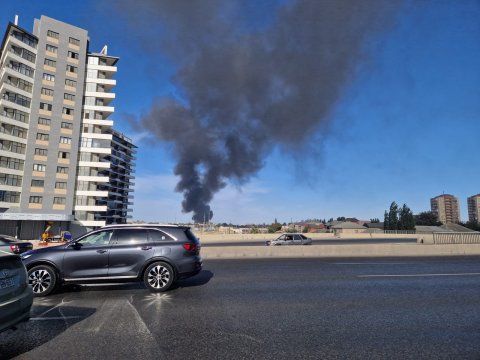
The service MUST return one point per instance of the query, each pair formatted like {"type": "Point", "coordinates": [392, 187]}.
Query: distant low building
{"type": "Point", "coordinates": [349, 228]}
{"type": "Point", "coordinates": [378, 225]}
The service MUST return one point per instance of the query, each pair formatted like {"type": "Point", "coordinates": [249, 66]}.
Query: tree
{"type": "Point", "coordinates": [274, 227]}
{"type": "Point", "coordinates": [393, 217]}
{"type": "Point", "coordinates": [406, 221]}
{"type": "Point", "coordinates": [473, 225]}
{"type": "Point", "coordinates": [341, 218]}
{"type": "Point", "coordinates": [427, 218]}
{"type": "Point", "coordinates": [386, 223]}
{"type": "Point", "coordinates": [375, 220]}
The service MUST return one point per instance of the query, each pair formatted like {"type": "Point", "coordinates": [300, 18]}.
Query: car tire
{"type": "Point", "coordinates": [268, 242]}
{"type": "Point", "coordinates": [158, 277]}
{"type": "Point", "coordinates": [43, 280]}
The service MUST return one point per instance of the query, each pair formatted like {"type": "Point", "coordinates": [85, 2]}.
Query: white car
{"type": "Point", "coordinates": [290, 239]}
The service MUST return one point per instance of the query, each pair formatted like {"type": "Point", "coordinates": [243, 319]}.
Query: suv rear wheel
{"type": "Point", "coordinates": [42, 278]}
{"type": "Point", "coordinates": [158, 277]}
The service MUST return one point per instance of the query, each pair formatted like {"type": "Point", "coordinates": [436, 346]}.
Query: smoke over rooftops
{"type": "Point", "coordinates": [248, 86]}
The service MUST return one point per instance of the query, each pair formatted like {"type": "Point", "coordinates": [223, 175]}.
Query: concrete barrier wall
{"type": "Point", "coordinates": [216, 237]}
{"type": "Point", "coordinates": [347, 250]}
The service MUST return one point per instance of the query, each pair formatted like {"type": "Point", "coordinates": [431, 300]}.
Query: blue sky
{"type": "Point", "coordinates": [405, 128]}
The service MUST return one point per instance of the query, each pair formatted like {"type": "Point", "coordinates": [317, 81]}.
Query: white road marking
{"type": "Point", "coordinates": [373, 263]}
{"type": "Point", "coordinates": [55, 318]}
{"type": "Point", "coordinates": [418, 275]}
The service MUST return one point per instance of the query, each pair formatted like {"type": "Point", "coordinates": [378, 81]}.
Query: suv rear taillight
{"type": "Point", "coordinates": [14, 249]}
{"type": "Point", "coordinates": [193, 248]}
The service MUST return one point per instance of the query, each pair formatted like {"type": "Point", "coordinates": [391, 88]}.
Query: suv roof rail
{"type": "Point", "coordinates": [140, 225]}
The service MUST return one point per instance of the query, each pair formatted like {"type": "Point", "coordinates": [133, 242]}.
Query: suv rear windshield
{"type": "Point", "coordinates": [190, 236]}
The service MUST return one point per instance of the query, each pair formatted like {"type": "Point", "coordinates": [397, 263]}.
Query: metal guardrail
{"type": "Point", "coordinates": [456, 238]}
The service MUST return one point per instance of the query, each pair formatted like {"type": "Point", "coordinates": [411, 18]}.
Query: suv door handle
{"type": "Point", "coordinates": [101, 251]}
{"type": "Point", "coordinates": [146, 247]}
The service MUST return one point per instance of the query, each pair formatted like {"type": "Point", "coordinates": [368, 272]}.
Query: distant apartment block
{"type": "Point", "coordinates": [474, 208]}
{"type": "Point", "coordinates": [445, 207]}
{"type": "Point", "coordinates": [60, 158]}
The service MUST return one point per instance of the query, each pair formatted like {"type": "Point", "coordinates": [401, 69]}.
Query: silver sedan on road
{"type": "Point", "coordinates": [290, 239]}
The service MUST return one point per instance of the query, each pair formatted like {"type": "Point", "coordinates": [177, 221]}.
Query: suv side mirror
{"type": "Point", "coordinates": [76, 245]}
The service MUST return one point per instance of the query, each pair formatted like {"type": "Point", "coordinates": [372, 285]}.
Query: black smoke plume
{"type": "Point", "coordinates": [247, 85]}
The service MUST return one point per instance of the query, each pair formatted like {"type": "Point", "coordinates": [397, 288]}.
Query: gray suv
{"type": "Point", "coordinates": [15, 295]}
{"type": "Point", "coordinates": [158, 255]}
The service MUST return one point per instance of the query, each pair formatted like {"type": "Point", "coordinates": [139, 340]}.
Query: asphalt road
{"type": "Point", "coordinates": [402, 308]}
{"type": "Point", "coordinates": [315, 242]}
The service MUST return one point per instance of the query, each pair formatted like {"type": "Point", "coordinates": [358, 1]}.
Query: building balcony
{"type": "Point", "coordinates": [105, 109]}
{"type": "Point", "coordinates": [99, 179]}
{"type": "Point", "coordinates": [98, 122]}
{"type": "Point", "coordinates": [95, 164]}
{"type": "Point", "coordinates": [95, 208]}
{"type": "Point", "coordinates": [111, 82]}
{"type": "Point", "coordinates": [92, 223]}
{"type": "Point", "coordinates": [101, 95]}
{"type": "Point", "coordinates": [13, 40]}
{"type": "Point", "coordinates": [111, 70]}
{"type": "Point", "coordinates": [95, 193]}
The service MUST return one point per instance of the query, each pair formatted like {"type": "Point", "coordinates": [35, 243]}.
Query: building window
{"type": "Point", "coordinates": [52, 34]}
{"type": "Point", "coordinates": [36, 199]}
{"type": "Point", "coordinates": [69, 82]}
{"type": "Point", "coordinates": [67, 125]}
{"type": "Point", "coordinates": [44, 121]}
{"type": "Point", "coordinates": [48, 92]}
{"type": "Point", "coordinates": [16, 98]}
{"type": "Point", "coordinates": [51, 48]}
{"type": "Point", "coordinates": [72, 55]}
{"type": "Point", "coordinates": [48, 77]}
{"type": "Point", "coordinates": [24, 53]}
{"type": "Point", "coordinates": [40, 167]}
{"type": "Point", "coordinates": [15, 114]}
{"type": "Point", "coordinates": [10, 180]}
{"type": "Point", "coordinates": [38, 183]}
{"type": "Point", "coordinates": [12, 146]}
{"type": "Point", "coordinates": [25, 37]}
{"type": "Point", "coordinates": [45, 106]}
{"type": "Point", "coordinates": [72, 69]}
{"type": "Point", "coordinates": [50, 62]}
{"type": "Point", "coordinates": [63, 155]}
{"type": "Point", "coordinates": [67, 111]}
{"type": "Point", "coordinates": [21, 68]}
{"type": "Point", "coordinates": [59, 200]}
{"type": "Point", "coordinates": [65, 140]}
{"type": "Point", "coordinates": [42, 152]}
{"type": "Point", "coordinates": [42, 136]}
{"type": "Point", "coordinates": [62, 170]}
{"type": "Point", "coordinates": [19, 83]}
{"type": "Point", "coordinates": [70, 97]}
{"type": "Point", "coordinates": [11, 163]}
{"type": "Point", "coordinates": [74, 41]}
{"type": "Point", "coordinates": [60, 185]}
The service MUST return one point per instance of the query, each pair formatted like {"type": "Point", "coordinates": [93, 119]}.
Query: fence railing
{"type": "Point", "coordinates": [456, 238]}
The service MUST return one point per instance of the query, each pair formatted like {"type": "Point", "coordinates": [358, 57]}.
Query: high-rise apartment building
{"type": "Point", "coordinates": [445, 207]}
{"type": "Point", "coordinates": [474, 208]}
{"type": "Point", "coordinates": [60, 159]}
